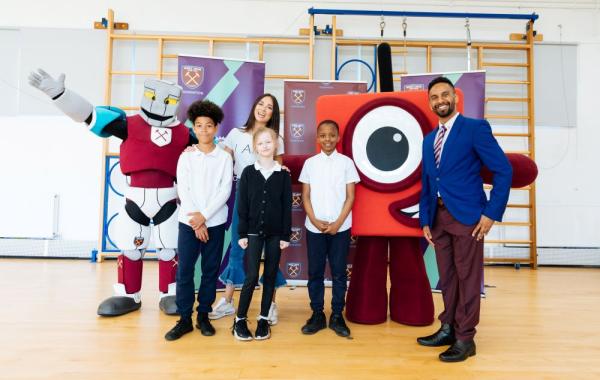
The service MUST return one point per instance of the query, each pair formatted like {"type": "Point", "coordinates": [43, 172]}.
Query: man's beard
{"type": "Point", "coordinates": [447, 112]}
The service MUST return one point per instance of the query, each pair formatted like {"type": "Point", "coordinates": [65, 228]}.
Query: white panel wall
{"type": "Point", "coordinates": [568, 205]}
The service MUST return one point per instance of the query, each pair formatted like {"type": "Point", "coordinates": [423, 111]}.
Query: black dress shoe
{"type": "Point", "coordinates": [337, 324]}
{"type": "Point", "coordinates": [182, 327]}
{"type": "Point", "coordinates": [315, 323]}
{"type": "Point", "coordinates": [443, 337]}
{"type": "Point", "coordinates": [203, 324]}
{"type": "Point", "coordinates": [461, 350]}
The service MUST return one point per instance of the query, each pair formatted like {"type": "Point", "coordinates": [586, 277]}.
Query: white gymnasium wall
{"type": "Point", "coordinates": [65, 159]}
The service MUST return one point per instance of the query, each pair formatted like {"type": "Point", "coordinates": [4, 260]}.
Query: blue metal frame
{"type": "Point", "coordinates": [498, 16]}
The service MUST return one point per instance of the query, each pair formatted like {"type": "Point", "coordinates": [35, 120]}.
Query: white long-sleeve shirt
{"type": "Point", "coordinates": [204, 185]}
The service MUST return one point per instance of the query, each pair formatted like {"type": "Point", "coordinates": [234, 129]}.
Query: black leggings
{"type": "Point", "coordinates": [253, 253]}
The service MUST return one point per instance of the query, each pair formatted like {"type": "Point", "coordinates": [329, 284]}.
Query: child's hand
{"type": "Point", "coordinates": [332, 228]}
{"type": "Point", "coordinates": [196, 220]}
{"type": "Point", "coordinates": [320, 224]}
{"type": "Point", "coordinates": [283, 244]}
{"type": "Point", "coordinates": [190, 148]}
{"type": "Point", "coordinates": [243, 243]}
{"type": "Point", "coordinates": [202, 233]}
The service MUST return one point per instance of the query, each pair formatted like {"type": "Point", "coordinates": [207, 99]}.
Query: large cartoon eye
{"type": "Point", "coordinates": [386, 139]}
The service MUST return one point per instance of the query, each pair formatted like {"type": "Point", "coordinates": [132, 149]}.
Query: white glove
{"type": "Point", "coordinates": [45, 83]}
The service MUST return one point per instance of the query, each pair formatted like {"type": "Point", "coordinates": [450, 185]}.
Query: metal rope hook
{"type": "Point", "coordinates": [382, 26]}
{"type": "Point", "coordinates": [468, 27]}
{"type": "Point", "coordinates": [404, 27]}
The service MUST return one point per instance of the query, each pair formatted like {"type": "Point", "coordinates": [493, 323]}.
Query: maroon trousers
{"type": "Point", "coordinates": [460, 262]}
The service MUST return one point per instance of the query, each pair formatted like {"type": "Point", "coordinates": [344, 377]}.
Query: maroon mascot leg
{"type": "Point", "coordinates": [411, 302]}
{"type": "Point", "coordinates": [366, 301]}
{"type": "Point", "coordinates": [130, 273]}
{"type": "Point", "coordinates": [167, 271]}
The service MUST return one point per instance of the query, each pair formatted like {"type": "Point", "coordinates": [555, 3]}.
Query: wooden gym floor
{"type": "Point", "coordinates": [534, 325]}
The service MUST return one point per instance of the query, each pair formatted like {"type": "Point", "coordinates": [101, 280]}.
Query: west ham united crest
{"type": "Point", "coordinates": [192, 76]}
{"type": "Point", "coordinates": [297, 130]}
{"type": "Point", "coordinates": [298, 97]}
{"type": "Point", "coordinates": [296, 201]}
{"type": "Point", "coordinates": [296, 235]}
{"type": "Point", "coordinates": [294, 269]}
{"type": "Point", "coordinates": [138, 240]}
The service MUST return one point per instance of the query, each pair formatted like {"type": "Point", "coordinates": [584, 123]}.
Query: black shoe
{"type": "Point", "coordinates": [461, 350]}
{"type": "Point", "coordinates": [263, 331]}
{"type": "Point", "coordinates": [316, 322]}
{"type": "Point", "coordinates": [240, 330]}
{"type": "Point", "coordinates": [337, 324]}
{"type": "Point", "coordinates": [443, 337]}
{"type": "Point", "coordinates": [203, 324]}
{"type": "Point", "coordinates": [182, 327]}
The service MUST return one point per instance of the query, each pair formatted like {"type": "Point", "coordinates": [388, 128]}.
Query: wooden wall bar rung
{"type": "Point", "coordinates": [507, 241]}
{"type": "Point", "coordinates": [503, 64]}
{"type": "Point", "coordinates": [509, 117]}
{"type": "Point", "coordinates": [506, 134]}
{"type": "Point", "coordinates": [515, 205]}
{"type": "Point", "coordinates": [499, 99]}
{"type": "Point", "coordinates": [506, 260]}
{"type": "Point", "coordinates": [285, 76]}
{"type": "Point", "coordinates": [514, 224]}
{"type": "Point", "coordinates": [239, 40]}
{"type": "Point", "coordinates": [525, 188]}
{"type": "Point", "coordinates": [146, 73]}
{"type": "Point", "coordinates": [524, 152]}
{"type": "Point", "coordinates": [523, 82]}
{"type": "Point", "coordinates": [432, 44]}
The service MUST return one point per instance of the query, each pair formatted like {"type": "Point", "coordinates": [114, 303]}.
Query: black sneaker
{"type": "Point", "coordinates": [240, 330]}
{"type": "Point", "coordinates": [263, 331]}
{"type": "Point", "coordinates": [337, 324]}
{"type": "Point", "coordinates": [316, 322]}
{"type": "Point", "coordinates": [203, 324]}
{"type": "Point", "coordinates": [183, 326]}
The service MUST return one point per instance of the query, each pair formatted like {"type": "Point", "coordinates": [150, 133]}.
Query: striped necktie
{"type": "Point", "coordinates": [437, 147]}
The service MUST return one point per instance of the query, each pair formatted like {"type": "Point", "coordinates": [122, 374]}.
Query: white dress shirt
{"type": "Point", "coordinates": [204, 185]}
{"type": "Point", "coordinates": [328, 176]}
{"type": "Point", "coordinates": [267, 172]}
{"type": "Point", "coordinates": [448, 126]}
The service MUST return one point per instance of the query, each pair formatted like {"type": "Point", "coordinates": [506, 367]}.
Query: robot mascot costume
{"type": "Point", "coordinates": [152, 143]}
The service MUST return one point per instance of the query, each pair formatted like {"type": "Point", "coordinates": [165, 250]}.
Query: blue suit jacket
{"type": "Point", "coordinates": [468, 147]}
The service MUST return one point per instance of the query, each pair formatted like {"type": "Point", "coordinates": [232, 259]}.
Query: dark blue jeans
{"type": "Point", "coordinates": [189, 248]}
{"type": "Point", "coordinates": [335, 249]}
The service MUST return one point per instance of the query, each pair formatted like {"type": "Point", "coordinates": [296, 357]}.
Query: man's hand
{"type": "Point", "coordinates": [428, 236]}
{"type": "Point", "coordinates": [202, 233]}
{"type": "Point", "coordinates": [283, 244]}
{"type": "Point", "coordinates": [45, 83]}
{"type": "Point", "coordinates": [243, 243]}
{"type": "Point", "coordinates": [190, 148]}
{"type": "Point", "coordinates": [196, 220]}
{"type": "Point", "coordinates": [483, 227]}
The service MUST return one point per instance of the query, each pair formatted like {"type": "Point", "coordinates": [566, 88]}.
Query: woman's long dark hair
{"type": "Point", "coordinates": [273, 122]}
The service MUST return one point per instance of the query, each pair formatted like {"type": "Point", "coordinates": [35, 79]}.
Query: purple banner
{"type": "Point", "coordinates": [471, 83]}
{"type": "Point", "coordinates": [300, 98]}
{"type": "Point", "coordinates": [233, 85]}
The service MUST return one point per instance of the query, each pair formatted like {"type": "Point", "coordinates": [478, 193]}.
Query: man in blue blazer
{"type": "Point", "coordinates": [455, 213]}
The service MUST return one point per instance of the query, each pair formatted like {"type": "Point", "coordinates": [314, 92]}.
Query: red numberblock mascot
{"type": "Point", "coordinates": [383, 134]}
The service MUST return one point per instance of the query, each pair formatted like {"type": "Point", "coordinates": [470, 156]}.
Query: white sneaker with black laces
{"type": "Point", "coordinates": [222, 309]}
{"type": "Point", "coordinates": [240, 329]}
{"type": "Point", "coordinates": [273, 316]}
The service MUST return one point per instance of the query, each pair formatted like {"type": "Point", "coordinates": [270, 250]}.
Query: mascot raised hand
{"type": "Point", "coordinates": [151, 144]}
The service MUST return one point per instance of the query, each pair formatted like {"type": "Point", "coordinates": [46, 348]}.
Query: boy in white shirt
{"type": "Point", "coordinates": [328, 194]}
{"type": "Point", "coordinates": [204, 178]}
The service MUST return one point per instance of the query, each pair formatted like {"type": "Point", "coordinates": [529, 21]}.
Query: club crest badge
{"type": "Point", "coordinates": [297, 130]}
{"type": "Point", "coordinates": [298, 96]}
{"type": "Point", "coordinates": [294, 269]}
{"type": "Point", "coordinates": [192, 76]}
